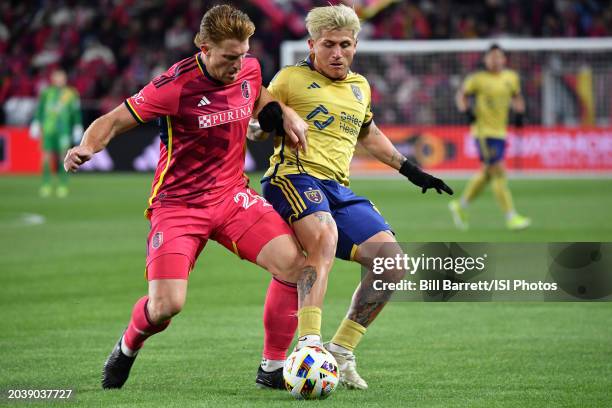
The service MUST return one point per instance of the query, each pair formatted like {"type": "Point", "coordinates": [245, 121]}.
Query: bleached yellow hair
{"type": "Point", "coordinates": [339, 17]}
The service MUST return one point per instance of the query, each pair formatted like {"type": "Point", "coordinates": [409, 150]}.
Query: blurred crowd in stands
{"type": "Point", "coordinates": [111, 48]}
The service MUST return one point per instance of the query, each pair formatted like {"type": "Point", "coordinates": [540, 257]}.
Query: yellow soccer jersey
{"type": "Point", "coordinates": [493, 94]}
{"type": "Point", "coordinates": [335, 111]}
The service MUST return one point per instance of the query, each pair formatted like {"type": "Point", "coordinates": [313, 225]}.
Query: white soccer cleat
{"type": "Point", "coordinates": [349, 377]}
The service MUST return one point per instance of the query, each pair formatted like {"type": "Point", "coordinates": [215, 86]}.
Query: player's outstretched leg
{"type": "Point", "coordinates": [280, 323]}
{"type": "Point", "coordinates": [283, 257]}
{"type": "Point", "coordinates": [151, 314]}
{"type": "Point", "coordinates": [366, 304]}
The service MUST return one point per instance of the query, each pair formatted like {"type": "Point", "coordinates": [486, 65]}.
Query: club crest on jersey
{"type": "Point", "coordinates": [314, 196]}
{"type": "Point", "coordinates": [357, 93]}
{"type": "Point", "coordinates": [246, 89]}
{"type": "Point", "coordinates": [157, 240]}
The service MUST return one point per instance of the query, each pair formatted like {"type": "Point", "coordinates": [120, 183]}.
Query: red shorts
{"type": "Point", "coordinates": [243, 222]}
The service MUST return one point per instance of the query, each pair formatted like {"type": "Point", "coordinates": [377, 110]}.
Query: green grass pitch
{"type": "Point", "coordinates": [67, 287]}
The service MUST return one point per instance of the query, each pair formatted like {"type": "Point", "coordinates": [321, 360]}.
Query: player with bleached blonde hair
{"type": "Point", "coordinates": [310, 190]}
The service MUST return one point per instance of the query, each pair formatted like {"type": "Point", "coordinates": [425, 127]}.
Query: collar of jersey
{"type": "Point", "coordinates": [310, 64]}
{"type": "Point", "coordinates": [205, 71]}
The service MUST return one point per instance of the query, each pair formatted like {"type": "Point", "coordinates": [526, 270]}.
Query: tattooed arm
{"type": "Point", "coordinates": [379, 146]}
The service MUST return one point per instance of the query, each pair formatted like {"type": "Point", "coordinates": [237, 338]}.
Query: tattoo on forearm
{"type": "Point", "coordinates": [306, 281]}
{"type": "Point", "coordinates": [397, 157]}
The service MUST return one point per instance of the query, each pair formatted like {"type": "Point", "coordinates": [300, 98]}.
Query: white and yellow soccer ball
{"type": "Point", "coordinates": [311, 373]}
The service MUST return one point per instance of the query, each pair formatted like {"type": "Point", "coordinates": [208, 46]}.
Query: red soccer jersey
{"type": "Point", "coordinates": [203, 125]}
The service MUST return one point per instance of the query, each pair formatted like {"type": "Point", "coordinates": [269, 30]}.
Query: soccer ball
{"type": "Point", "coordinates": [311, 373]}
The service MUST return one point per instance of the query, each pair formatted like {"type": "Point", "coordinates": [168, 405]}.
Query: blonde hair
{"type": "Point", "coordinates": [339, 17]}
{"type": "Point", "coordinates": [223, 22]}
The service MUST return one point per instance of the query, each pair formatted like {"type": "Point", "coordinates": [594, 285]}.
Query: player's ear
{"type": "Point", "coordinates": [311, 45]}
{"type": "Point", "coordinates": [205, 47]}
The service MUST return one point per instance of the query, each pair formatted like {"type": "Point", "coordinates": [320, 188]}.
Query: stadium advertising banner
{"type": "Point", "coordinates": [534, 149]}
{"type": "Point", "coordinates": [555, 150]}
{"type": "Point", "coordinates": [18, 152]}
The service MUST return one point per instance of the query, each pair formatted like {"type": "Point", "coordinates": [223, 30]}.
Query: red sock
{"type": "Point", "coordinates": [140, 328]}
{"type": "Point", "coordinates": [280, 318]}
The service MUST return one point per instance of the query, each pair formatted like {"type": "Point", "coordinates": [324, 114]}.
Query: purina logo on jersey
{"type": "Point", "coordinates": [357, 93]}
{"type": "Point", "coordinates": [230, 115]}
{"type": "Point", "coordinates": [246, 89]}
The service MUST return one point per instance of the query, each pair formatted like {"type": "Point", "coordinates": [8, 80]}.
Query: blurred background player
{"type": "Point", "coordinates": [495, 90]}
{"type": "Point", "coordinates": [310, 190]}
{"type": "Point", "coordinates": [58, 121]}
{"type": "Point", "coordinates": [203, 105]}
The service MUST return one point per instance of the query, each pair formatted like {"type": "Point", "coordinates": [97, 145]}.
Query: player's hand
{"type": "Point", "coordinates": [470, 117]}
{"type": "Point", "coordinates": [76, 157]}
{"type": "Point", "coordinates": [295, 129]}
{"type": "Point", "coordinates": [254, 131]}
{"type": "Point", "coordinates": [424, 180]}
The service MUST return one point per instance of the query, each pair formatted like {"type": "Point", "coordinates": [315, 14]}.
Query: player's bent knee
{"type": "Point", "coordinates": [318, 234]}
{"type": "Point", "coordinates": [326, 245]}
{"type": "Point", "coordinates": [282, 257]}
{"type": "Point", "coordinates": [162, 309]}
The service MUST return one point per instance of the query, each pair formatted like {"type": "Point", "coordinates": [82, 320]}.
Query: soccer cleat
{"type": "Point", "coordinates": [62, 191]}
{"type": "Point", "coordinates": [518, 222]}
{"type": "Point", "coordinates": [45, 191]}
{"type": "Point", "coordinates": [273, 379]}
{"type": "Point", "coordinates": [349, 377]}
{"type": "Point", "coordinates": [459, 216]}
{"type": "Point", "coordinates": [116, 368]}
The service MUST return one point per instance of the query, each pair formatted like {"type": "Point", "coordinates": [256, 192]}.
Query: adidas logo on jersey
{"type": "Point", "coordinates": [314, 85]}
{"type": "Point", "coordinates": [203, 102]}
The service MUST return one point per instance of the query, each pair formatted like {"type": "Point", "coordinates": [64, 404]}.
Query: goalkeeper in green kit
{"type": "Point", "coordinates": [58, 121]}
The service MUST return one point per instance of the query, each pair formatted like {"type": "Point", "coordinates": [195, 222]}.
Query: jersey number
{"type": "Point", "coordinates": [320, 124]}
{"type": "Point", "coordinates": [249, 199]}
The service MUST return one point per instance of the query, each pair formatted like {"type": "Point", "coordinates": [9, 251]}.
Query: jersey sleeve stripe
{"type": "Point", "coordinates": [133, 112]}
{"type": "Point", "coordinates": [292, 188]}
{"type": "Point", "coordinates": [165, 170]}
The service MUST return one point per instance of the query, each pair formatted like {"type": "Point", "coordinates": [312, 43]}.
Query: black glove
{"type": "Point", "coordinates": [519, 119]}
{"type": "Point", "coordinates": [271, 118]}
{"type": "Point", "coordinates": [422, 179]}
{"type": "Point", "coordinates": [469, 115]}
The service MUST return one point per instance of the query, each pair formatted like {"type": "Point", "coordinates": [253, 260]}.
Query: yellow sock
{"type": "Point", "coordinates": [309, 321]}
{"type": "Point", "coordinates": [502, 193]}
{"type": "Point", "coordinates": [349, 334]}
{"type": "Point", "coordinates": [475, 186]}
